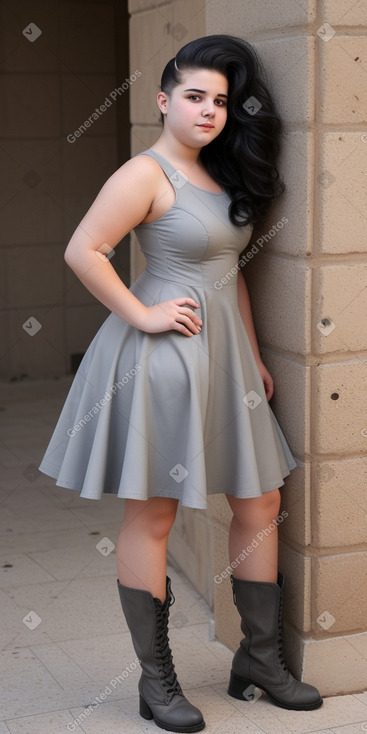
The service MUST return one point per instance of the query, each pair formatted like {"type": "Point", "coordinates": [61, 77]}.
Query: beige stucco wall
{"type": "Point", "coordinates": [314, 268]}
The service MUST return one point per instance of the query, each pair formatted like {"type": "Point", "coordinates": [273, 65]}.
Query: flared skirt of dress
{"type": "Point", "coordinates": [169, 415]}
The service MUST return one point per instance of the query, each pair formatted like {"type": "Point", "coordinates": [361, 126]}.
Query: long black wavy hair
{"type": "Point", "coordinates": [242, 158]}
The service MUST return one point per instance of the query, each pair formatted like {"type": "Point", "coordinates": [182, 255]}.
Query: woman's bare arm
{"type": "Point", "coordinates": [121, 205]}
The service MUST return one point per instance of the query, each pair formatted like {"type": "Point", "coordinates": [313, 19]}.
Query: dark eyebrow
{"type": "Point", "coordinates": [204, 92]}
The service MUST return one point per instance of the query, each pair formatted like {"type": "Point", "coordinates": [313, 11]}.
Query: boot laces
{"type": "Point", "coordinates": [163, 654]}
{"type": "Point", "coordinates": [279, 641]}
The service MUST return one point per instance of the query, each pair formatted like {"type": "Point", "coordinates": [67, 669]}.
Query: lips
{"type": "Point", "coordinates": [209, 127]}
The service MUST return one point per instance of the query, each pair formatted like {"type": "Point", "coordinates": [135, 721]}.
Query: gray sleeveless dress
{"type": "Point", "coordinates": [165, 414]}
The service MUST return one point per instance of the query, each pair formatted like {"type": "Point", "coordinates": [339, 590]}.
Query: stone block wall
{"type": "Point", "coordinates": [59, 62]}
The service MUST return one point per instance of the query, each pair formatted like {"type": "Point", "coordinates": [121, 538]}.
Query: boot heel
{"type": "Point", "coordinates": [238, 686]}
{"type": "Point", "coordinates": [144, 709]}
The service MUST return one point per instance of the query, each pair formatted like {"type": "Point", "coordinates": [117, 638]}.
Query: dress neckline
{"type": "Point", "coordinates": [213, 193]}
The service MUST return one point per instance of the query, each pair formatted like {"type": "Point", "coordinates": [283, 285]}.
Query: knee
{"type": "Point", "coordinates": [161, 522]}
{"type": "Point", "coordinates": [153, 517]}
{"type": "Point", "coordinates": [271, 501]}
{"type": "Point", "coordinates": [257, 509]}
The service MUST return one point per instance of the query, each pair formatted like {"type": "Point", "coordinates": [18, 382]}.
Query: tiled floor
{"type": "Point", "coordinates": [64, 640]}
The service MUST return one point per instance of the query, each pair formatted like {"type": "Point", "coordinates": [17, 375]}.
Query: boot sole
{"type": "Point", "coordinates": [237, 685]}
{"type": "Point", "coordinates": [146, 713]}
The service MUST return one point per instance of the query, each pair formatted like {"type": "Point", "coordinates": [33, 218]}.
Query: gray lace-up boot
{"type": "Point", "coordinates": [259, 659]}
{"type": "Point", "coordinates": [160, 694]}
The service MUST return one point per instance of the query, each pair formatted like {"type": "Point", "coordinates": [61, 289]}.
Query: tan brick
{"type": "Point", "coordinates": [142, 137]}
{"type": "Point", "coordinates": [289, 65]}
{"type": "Point", "coordinates": [337, 423]}
{"type": "Point", "coordinates": [296, 167]}
{"type": "Point", "coordinates": [227, 618]}
{"type": "Point", "coordinates": [337, 666]}
{"type": "Point", "coordinates": [297, 586]}
{"type": "Point", "coordinates": [189, 22]}
{"type": "Point", "coordinates": [344, 12]}
{"type": "Point", "coordinates": [342, 193]}
{"type": "Point", "coordinates": [291, 400]}
{"type": "Point", "coordinates": [339, 515]}
{"type": "Point", "coordinates": [340, 594]}
{"type": "Point", "coordinates": [136, 6]}
{"type": "Point", "coordinates": [219, 510]}
{"type": "Point", "coordinates": [152, 46]}
{"type": "Point", "coordinates": [190, 545]}
{"type": "Point", "coordinates": [250, 17]}
{"type": "Point", "coordinates": [280, 292]}
{"type": "Point", "coordinates": [340, 297]}
{"type": "Point", "coordinates": [295, 495]}
{"type": "Point", "coordinates": [343, 79]}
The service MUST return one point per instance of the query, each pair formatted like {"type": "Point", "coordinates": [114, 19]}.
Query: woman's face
{"type": "Point", "coordinates": [200, 99]}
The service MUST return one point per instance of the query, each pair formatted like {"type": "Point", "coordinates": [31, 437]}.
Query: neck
{"type": "Point", "coordinates": [175, 150]}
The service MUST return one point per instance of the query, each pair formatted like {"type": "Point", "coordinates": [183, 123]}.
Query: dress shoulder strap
{"type": "Point", "coordinates": [177, 177]}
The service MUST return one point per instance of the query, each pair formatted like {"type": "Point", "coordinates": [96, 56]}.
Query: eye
{"type": "Point", "coordinates": [197, 96]}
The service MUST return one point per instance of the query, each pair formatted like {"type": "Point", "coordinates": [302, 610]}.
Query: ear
{"type": "Point", "coordinates": [162, 102]}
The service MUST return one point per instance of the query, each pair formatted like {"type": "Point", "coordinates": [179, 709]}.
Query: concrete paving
{"type": "Point", "coordinates": [67, 661]}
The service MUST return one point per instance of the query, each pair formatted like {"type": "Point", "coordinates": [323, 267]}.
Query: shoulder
{"type": "Point", "coordinates": [140, 173]}
{"type": "Point", "coordinates": [139, 167]}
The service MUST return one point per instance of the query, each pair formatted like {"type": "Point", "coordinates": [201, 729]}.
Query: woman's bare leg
{"type": "Point", "coordinates": [141, 553]}
{"type": "Point", "coordinates": [250, 517]}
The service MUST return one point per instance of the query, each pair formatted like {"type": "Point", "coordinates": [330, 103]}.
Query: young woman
{"type": "Point", "coordinates": [170, 402]}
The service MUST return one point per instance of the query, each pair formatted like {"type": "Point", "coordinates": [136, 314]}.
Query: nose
{"type": "Point", "coordinates": [209, 108]}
